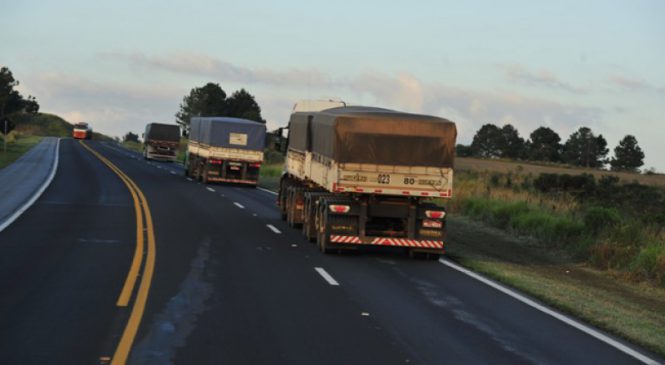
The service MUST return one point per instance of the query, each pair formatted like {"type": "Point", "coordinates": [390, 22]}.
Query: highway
{"type": "Point", "coordinates": [233, 284]}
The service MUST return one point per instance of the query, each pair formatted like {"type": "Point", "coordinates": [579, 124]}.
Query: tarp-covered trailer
{"type": "Point", "coordinates": [161, 141]}
{"type": "Point", "coordinates": [367, 176]}
{"type": "Point", "coordinates": [225, 149]}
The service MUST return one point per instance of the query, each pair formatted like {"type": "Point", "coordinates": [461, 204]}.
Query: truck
{"type": "Point", "coordinates": [82, 131]}
{"type": "Point", "coordinates": [359, 176]}
{"type": "Point", "coordinates": [224, 149]}
{"type": "Point", "coordinates": [161, 142]}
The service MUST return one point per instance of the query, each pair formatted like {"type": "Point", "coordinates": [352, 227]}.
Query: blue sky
{"type": "Point", "coordinates": [122, 64]}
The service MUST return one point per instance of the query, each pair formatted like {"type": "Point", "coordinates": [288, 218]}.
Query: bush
{"type": "Point", "coordinates": [646, 263]}
{"type": "Point", "coordinates": [597, 218]}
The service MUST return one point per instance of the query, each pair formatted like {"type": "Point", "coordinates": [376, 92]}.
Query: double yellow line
{"type": "Point", "coordinates": [142, 211]}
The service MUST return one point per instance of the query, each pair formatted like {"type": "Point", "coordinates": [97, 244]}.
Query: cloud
{"type": "Point", "coordinates": [111, 108]}
{"type": "Point", "coordinates": [116, 108]}
{"type": "Point", "coordinates": [191, 63]}
{"type": "Point", "coordinates": [633, 84]}
{"type": "Point", "coordinates": [540, 78]}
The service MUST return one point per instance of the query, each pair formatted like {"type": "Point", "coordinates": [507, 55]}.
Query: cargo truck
{"type": "Point", "coordinates": [362, 176]}
{"type": "Point", "coordinates": [223, 149]}
{"type": "Point", "coordinates": [82, 131]}
{"type": "Point", "coordinates": [161, 142]}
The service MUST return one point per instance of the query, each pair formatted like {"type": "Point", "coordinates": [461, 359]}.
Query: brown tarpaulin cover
{"type": "Point", "coordinates": [376, 136]}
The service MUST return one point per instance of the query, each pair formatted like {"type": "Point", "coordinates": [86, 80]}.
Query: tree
{"type": "Point", "coordinates": [545, 145]}
{"type": "Point", "coordinates": [463, 151]}
{"type": "Point", "coordinates": [11, 101]}
{"type": "Point", "coordinates": [211, 101]}
{"type": "Point", "coordinates": [628, 156]}
{"type": "Point", "coordinates": [488, 141]}
{"type": "Point", "coordinates": [583, 148]}
{"type": "Point", "coordinates": [512, 145]}
{"type": "Point", "coordinates": [206, 101]}
{"type": "Point", "coordinates": [242, 105]}
{"type": "Point", "coordinates": [131, 137]}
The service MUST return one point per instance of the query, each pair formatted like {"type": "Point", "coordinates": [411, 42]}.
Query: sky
{"type": "Point", "coordinates": [119, 65]}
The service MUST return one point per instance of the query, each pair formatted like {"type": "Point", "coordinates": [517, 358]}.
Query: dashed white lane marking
{"type": "Point", "coordinates": [172, 172]}
{"type": "Point", "coordinates": [189, 179]}
{"type": "Point", "coordinates": [273, 228]}
{"type": "Point", "coordinates": [239, 205]}
{"type": "Point", "coordinates": [565, 319]}
{"type": "Point", "coordinates": [326, 276]}
{"type": "Point", "coordinates": [267, 191]}
{"type": "Point", "coordinates": [210, 189]}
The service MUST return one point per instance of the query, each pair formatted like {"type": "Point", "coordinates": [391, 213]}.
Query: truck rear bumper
{"type": "Point", "coordinates": [386, 241]}
{"type": "Point", "coordinates": [235, 181]}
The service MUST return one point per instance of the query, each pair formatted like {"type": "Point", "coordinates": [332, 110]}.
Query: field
{"type": "Point", "coordinates": [504, 166]}
{"type": "Point", "coordinates": [596, 251]}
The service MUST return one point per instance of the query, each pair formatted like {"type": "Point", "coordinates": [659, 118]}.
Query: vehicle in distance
{"type": "Point", "coordinates": [161, 142]}
{"type": "Point", "coordinates": [223, 149]}
{"type": "Point", "coordinates": [82, 131]}
{"type": "Point", "coordinates": [367, 176]}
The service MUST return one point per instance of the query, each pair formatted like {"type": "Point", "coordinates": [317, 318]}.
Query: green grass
{"type": "Point", "coordinates": [623, 311]}
{"type": "Point", "coordinates": [17, 145]}
{"type": "Point", "coordinates": [134, 146]}
{"type": "Point", "coordinates": [269, 176]}
{"type": "Point", "coordinates": [597, 261]}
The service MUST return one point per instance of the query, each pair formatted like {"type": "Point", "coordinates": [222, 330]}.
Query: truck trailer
{"type": "Point", "coordinates": [362, 176]}
{"type": "Point", "coordinates": [82, 131]}
{"type": "Point", "coordinates": [161, 142]}
{"type": "Point", "coordinates": [223, 149]}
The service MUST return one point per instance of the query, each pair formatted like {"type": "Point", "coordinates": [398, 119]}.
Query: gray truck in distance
{"type": "Point", "coordinates": [361, 176]}
{"type": "Point", "coordinates": [161, 142]}
{"type": "Point", "coordinates": [223, 149]}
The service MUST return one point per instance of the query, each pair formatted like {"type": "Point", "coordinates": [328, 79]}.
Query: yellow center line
{"type": "Point", "coordinates": [129, 334]}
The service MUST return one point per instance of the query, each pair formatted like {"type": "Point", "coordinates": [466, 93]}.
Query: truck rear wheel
{"type": "Point", "coordinates": [322, 236]}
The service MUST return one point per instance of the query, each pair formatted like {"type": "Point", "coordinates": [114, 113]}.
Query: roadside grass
{"type": "Point", "coordinates": [17, 145]}
{"type": "Point", "coordinates": [599, 256]}
{"type": "Point", "coordinates": [634, 311]}
{"type": "Point", "coordinates": [269, 175]}
{"type": "Point", "coordinates": [133, 146]}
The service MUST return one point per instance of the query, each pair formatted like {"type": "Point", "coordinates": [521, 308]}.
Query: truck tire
{"type": "Point", "coordinates": [322, 236]}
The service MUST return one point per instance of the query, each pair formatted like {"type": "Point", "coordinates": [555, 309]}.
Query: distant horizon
{"type": "Point", "coordinates": [119, 65]}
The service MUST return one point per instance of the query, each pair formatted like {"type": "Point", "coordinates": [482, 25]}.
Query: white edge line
{"type": "Point", "coordinates": [273, 228]}
{"type": "Point", "coordinates": [189, 179]}
{"type": "Point", "coordinates": [563, 318]}
{"type": "Point", "coordinates": [210, 189]}
{"type": "Point", "coordinates": [39, 192]}
{"type": "Point", "coordinates": [239, 205]}
{"type": "Point", "coordinates": [266, 190]}
{"type": "Point", "coordinates": [326, 276]}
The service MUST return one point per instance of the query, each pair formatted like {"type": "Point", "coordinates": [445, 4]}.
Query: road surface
{"type": "Point", "coordinates": [233, 284]}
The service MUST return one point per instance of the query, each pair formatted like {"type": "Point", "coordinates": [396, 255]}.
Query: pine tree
{"type": "Point", "coordinates": [628, 156]}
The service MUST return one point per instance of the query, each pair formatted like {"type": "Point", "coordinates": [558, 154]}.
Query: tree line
{"type": "Point", "coordinates": [583, 147]}
{"type": "Point", "coordinates": [12, 103]}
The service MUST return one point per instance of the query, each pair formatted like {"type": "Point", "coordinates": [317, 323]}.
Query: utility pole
{"type": "Point", "coordinates": [5, 138]}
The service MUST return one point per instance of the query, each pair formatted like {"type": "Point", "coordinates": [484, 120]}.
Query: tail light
{"type": "Point", "coordinates": [428, 223]}
{"type": "Point", "coordinates": [216, 162]}
{"type": "Point", "coordinates": [435, 214]}
{"type": "Point", "coordinates": [257, 165]}
{"type": "Point", "coordinates": [339, 208]}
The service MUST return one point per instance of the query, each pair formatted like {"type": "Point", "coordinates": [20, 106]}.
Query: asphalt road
{"type": "Point", "coordinates": [233, 284]}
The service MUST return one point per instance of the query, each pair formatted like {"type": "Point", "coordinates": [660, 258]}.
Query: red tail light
{"type": "Point", "coordinates": [254, 165]}
{"type": "Point", "coordinates": [339, 208]}
{"type": "Point", "coordinates": [427, 223]}
{"type": "Point", "coordinates": [216, 162]}
{"type": "Point", "coordinates": [435, 214]}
